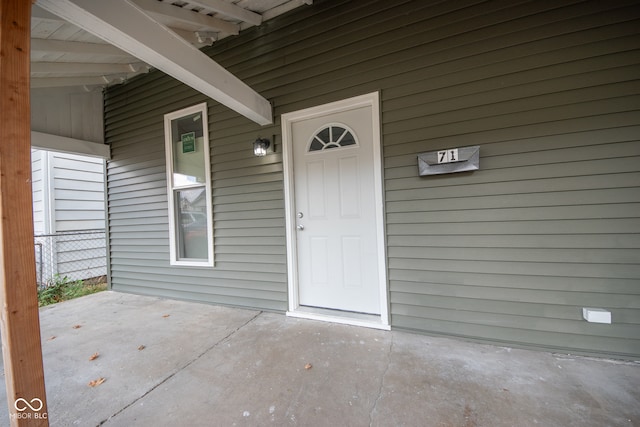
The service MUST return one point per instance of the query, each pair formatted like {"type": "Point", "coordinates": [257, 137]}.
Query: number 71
{"type": "Point", "coordinates": [448, 156]}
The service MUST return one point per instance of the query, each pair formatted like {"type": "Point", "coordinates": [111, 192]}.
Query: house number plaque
{"type": "Point", "coordinates": [451, 160]}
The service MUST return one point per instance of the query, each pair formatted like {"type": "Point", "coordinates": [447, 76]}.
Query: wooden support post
{"type": "Point", "coordinates": [19, 322]}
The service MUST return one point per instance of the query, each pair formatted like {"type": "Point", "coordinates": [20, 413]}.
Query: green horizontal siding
{"type": "Point", "coordinates": [510, 253]}
{"type": "Point", "coordinates": [549, 224]}
{"type": "Point", "coordinates": [138, 210]}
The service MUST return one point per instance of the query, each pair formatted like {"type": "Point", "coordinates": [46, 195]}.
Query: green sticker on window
{"type": "Point", "coordinates": [188, 142]}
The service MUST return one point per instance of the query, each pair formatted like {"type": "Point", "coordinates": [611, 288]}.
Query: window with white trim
{"type": "Point", "coordinates": [189, 187]}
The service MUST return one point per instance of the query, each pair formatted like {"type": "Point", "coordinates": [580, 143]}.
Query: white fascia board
{"type": "Point", "coordinates": [126, 26]}
{"type": "Point", "coordinates": [50, 142]}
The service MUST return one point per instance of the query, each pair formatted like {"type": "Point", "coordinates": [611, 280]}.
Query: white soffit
{"type": "Point", "coordinates": [89, 60]}
{"type": "Point", "coordinates": [126, 26]}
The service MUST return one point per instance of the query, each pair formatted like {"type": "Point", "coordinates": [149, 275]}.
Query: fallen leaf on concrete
{"type": "Point", "coordinates": [94, 356]}
{"type": "Point", "coordinates": [51, 338]}
{"type": "Point", "coordinates": [308, 366]}
{"type": "Point", "coordinates": [166, 315]}
{"type": "Point", "coordinates": [77, 326]}
{"type": "Point", "coordinates": [96, 382]}
{"type": "Point", "coordinates": [142, 347]}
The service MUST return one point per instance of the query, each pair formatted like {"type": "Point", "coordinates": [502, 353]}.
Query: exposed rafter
{"type": "Point", "coordinates": [49, 45]}
{"type": "Point", "coordinates": [40, 13]}
{"type": "Point", "coordinates": [127, 26]}
{"type": "Point", "coordinates": [75, 68]}
{"type": "Point", "coordinates": [54, 39]}
{"type": "Point", "coordinates": [187, 16]}
{"type": "Point", "coordinates": [284, 8]}
{"type": "Point", "coordinates": [197, 38]}
{"type": "Point", "coordinates": [88, 81]}
{"type": "Point", "coordinates": [229, 9]}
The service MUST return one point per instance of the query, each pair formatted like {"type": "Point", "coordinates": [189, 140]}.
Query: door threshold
{"type": "Point", "coordinates": [338, 316]}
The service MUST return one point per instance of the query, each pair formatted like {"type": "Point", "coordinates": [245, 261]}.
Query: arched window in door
{"type": "Point", "coordinates": [332, 136]}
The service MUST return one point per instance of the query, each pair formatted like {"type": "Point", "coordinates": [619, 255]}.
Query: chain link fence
{"type": "Point", "coordinates": [77, 255]}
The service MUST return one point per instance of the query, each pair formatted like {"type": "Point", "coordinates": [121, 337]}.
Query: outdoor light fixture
{"type": "Point", "coordinates": [261, 146]}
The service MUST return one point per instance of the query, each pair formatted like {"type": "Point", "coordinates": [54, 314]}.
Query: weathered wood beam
{"type": "Point", "coordinates": [19, 322]}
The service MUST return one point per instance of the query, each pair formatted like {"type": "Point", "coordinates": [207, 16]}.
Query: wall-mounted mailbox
{"type": "Point", "coordinates": [449, 161]}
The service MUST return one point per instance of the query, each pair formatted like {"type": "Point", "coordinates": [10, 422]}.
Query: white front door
{"type": "Point", "coordinates": [336, 209]}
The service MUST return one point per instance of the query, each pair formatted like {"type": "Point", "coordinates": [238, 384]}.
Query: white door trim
{"type": "Point", "coordinates": [369, 100]}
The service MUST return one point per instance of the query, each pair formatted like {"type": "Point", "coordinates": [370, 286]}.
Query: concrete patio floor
{"type": "Point", "coordinates": [173, 363]}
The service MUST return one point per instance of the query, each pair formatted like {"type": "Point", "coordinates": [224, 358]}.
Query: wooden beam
{"type": "Point", "coordinates": [127, 26]}
{"type": "Point", "coordinates": [19, 323]}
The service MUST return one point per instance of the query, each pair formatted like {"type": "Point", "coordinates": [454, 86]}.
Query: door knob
{"type": "Point", "coordinates": [300, 227]}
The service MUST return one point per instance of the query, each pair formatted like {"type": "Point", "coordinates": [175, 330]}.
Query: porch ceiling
{"type": "Point", "coordinates": [92, 43]}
